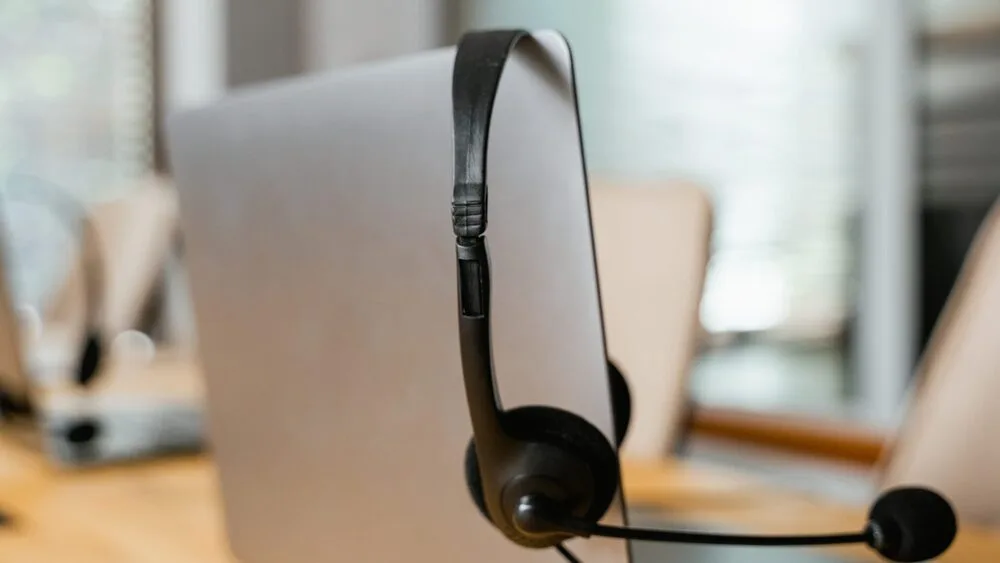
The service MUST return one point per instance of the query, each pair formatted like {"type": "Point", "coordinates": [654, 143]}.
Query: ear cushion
{"type": "Point", "coordinates": [473, 479]}
{"type": "Point", "coordinates": [621, 402]}
{"type": "Point", "coordinates": [561, 429]}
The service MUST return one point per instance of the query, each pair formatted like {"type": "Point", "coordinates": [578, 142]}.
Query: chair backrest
{"type": "Point", "coordinates": [652, 246]}
{"type": "Point", "coordinates": [136, 233]}
{"type": "Point", "coordinates": [950, 439]}
{"type": "Point", "coordinates": [13, 376]}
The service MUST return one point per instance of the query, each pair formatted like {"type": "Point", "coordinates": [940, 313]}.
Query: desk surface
{"type": "Point", "coordinates": [167, 511]}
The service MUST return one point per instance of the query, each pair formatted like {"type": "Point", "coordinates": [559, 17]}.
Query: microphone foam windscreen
{"type": "Point", "coordinates": [917, 524]}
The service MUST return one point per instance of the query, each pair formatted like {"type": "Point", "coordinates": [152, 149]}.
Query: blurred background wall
{"type": "Point", "coordinates": [848, 146]}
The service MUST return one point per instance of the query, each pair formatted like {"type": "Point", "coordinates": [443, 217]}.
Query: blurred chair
{"type": "Point", "coordinates": [652, 246]}
{"type": "Point", "coordinates": [177, 324]}
{"type": "Point", "coordinates": [145, 402]}
{"type": "Point", "coordinates": [136, 232]}
{"type": "Point", "coordinates": [13, 375]}
{"type": "Point", "coordinates": [949, 439]}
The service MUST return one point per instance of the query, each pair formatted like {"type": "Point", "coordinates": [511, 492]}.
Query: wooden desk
{"type": "Point", "coordinates": [689, 492]}
{"type": "Point", "coordinates": [168, 512]}
{"type": "Point", "coordinates": [165, 511]}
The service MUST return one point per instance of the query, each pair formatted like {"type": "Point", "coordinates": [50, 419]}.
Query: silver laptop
{"type": "Point", "coordinates": [316, 216]}
{"type": "Point", "coordinates": [318, 235]}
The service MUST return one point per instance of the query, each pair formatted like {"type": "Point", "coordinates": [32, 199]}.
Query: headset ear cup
{"type": "Point", "coordinates": [473, 479]}
{"type": "Point", "coordinates": [621, 402]}
{"type": "Point", "coordinates": [569, 432]}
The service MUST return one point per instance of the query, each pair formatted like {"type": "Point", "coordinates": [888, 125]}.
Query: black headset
{"type": "Point", "coordinates": [543, 475]}
{"type": "Point", "coordinates": [528, 452]}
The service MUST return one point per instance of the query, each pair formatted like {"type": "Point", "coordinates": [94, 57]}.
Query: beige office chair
{"type": "Point", "coordinates": [951, 437]}
{"type": "Point", "coordinates": [136, 235]}
{"type": "Point", "coordinates": [652, 245]}
{"type": "Point", "coordinates": [13, 373]}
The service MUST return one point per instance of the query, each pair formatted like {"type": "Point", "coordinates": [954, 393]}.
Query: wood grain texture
{"type": "Point", "coordinates": [168, 511]}
{"type": "Point", "coordinates": [799, 435]}
{"type": "Point", "coordinates": [710, 496]}
{"type": "Point", "coordinates": [163, 511]}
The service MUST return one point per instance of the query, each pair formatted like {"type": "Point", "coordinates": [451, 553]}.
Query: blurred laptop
{"type": "Point", "coordinates": [142, 403]}
{"type": "Point", "coordinates": [318, 237]}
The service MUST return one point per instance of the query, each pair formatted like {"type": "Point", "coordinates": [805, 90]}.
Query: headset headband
{"type": "Point", "coordinates": [518, 453]}
{"type": "Point", "coordinates": [479, 63]}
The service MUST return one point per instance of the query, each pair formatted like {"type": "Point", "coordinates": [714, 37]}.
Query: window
{"type": "Point", "coordinates": [76, 98]}
{"type": "Point", "coordinates": [761, 103]}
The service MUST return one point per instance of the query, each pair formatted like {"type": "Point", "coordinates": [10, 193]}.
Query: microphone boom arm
{"type": "Point", "coordinates": [642, 534]}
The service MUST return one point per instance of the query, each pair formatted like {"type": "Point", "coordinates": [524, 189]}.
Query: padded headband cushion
{"type": "Point", "coordinates": [479, 62]}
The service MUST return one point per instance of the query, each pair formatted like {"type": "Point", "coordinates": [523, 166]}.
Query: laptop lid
{"type": "Point", "coordinates": [316, 216]}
